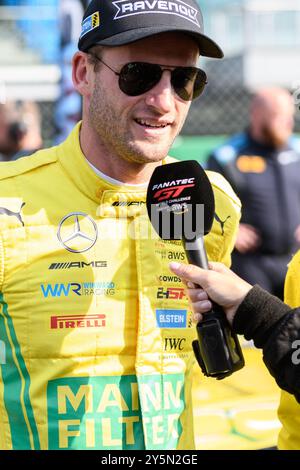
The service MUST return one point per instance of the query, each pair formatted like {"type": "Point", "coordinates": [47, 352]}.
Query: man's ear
{"type": "Point", "coordinates": [82, 74]}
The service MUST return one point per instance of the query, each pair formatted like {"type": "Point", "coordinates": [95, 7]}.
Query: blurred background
{"type": "Point", "coordinates": [261, 40]}
{"type": "Point", "coordinates": [259, 37]}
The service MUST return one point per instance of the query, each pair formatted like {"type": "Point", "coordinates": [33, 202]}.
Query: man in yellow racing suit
{"type": "Point", "coordinates": [95, 331]}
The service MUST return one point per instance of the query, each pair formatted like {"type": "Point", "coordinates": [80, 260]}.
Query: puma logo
{"type": "Point", "coordinates": [8, 212]}
{"type": "Point", "coordinates": [222, 222]}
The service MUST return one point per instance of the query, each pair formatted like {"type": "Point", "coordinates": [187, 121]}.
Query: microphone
{"type": "Point", "coordinates": [181, 206]}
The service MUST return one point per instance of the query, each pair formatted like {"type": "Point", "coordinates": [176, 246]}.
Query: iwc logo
{"type": "Point", "coordinates": [77, 232]}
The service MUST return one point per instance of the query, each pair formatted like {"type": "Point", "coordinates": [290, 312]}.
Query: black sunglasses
{"type": "Point", "coordinates": [136, 78]}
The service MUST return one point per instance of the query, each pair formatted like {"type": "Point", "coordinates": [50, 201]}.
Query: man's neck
{"type": "Point", "coordinates": [111, 165]}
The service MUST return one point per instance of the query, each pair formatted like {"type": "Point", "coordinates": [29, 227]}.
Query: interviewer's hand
{"type": "Point", "coordinates": [218, 283]}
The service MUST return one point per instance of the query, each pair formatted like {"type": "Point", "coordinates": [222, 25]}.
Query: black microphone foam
{"type": "Point", "coordinates": [180, 201]}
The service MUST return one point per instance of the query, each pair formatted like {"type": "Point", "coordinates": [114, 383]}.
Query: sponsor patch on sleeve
{"type": "Point", "coordinates": [90, 23]}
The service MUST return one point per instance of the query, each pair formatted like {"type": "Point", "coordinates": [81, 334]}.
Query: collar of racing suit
{"type": "Point", "coordinates": [114, 200]}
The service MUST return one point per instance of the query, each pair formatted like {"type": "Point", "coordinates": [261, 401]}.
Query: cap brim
{"type": "Point", "coordinates": [207, 47]}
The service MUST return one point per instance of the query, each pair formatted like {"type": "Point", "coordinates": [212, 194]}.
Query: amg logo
{"type": "Point", "coordinates": [77, 321]}
{"type": "Point", "coordinates": [128, 203]}
{"type": "Point", "coordinates": [174, 343]}
{"type": "Point", "coordinates": [177, 7]}
{"type": "Point", "coordinates": [78, 264]}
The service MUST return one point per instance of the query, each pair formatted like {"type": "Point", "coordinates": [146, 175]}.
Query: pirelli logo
{"type": "Point", "coordinates": [77, 321]}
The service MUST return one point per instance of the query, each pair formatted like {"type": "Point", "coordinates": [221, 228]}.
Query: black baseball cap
{"type": "Point", "coordinates": [119, 22]}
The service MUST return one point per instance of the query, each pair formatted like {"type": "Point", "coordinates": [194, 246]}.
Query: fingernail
{"type": "Point", "coordinates": [174, 265]}
{"type": "Point", "coordinates": [190, 285]}
{"type": "Point", "coordinates": [206, 304]}
{"type": "Point", "coordinates": [197, 317]}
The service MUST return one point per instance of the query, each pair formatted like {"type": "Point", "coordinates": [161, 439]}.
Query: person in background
{"type": "Point", "coordinates": [10, 131]}
{"type": "Point", "coordinates": [20, 129]}
{"type": "Point", "coordinates": [263, 166]}
{"type": "Point", "coordinates": [68, 107]}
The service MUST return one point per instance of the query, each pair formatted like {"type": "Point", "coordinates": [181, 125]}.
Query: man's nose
{"type": "Point", "coordinates": [161, 96]}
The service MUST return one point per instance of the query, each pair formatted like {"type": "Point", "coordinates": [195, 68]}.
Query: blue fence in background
{"type": "Point", "coordinates": [40, 31]}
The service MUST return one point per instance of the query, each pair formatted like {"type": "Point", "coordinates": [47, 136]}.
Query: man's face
{"type": "Point", "coordinates": [141, 129]}
{"type": "Point", "coordinates": [278, 121]}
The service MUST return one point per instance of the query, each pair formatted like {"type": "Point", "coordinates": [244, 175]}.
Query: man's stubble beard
{"type": "Point", "coordinates": [273, 138]}
{"type": "Point", "coordinates": [118, 142]}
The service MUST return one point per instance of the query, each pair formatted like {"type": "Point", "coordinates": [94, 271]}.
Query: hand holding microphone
{"type": "Point", "coordinates": [219, 283]}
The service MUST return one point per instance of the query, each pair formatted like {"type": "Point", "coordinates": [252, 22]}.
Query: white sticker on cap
{"type": "Point", "coordinates": [90, 23]}
{"type": "Point", "coordinates": [141, 7]}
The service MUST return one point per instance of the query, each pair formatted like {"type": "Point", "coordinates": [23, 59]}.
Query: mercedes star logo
{"type": "Point", "coordinates": [79, 235]}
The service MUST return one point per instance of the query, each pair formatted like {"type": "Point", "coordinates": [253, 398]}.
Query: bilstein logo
{"type": "Point", "coordinates": [173, 293]}
{"type": "Point", "coordinates": [81, 235]}
{"type": "Point", "coordinates": [176, 344]}
{"type": "Point", "coordinates": [172, 189]}
{"type": "Point", "coordinates": [171, 318]}
{"type": "Point", "coordinates": [78, 264]}
{"type": "Point", "coordinates": [77, 321]}
{"type": "Point", "coordinates": [177, 7]}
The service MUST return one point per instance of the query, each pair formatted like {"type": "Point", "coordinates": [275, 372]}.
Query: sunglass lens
{"type": "Point", "coordinates": [137, 78]}
{"type": "Point", "coordinates": [188, 82]}
{"type": "Point", "coordinates": [199, 84]}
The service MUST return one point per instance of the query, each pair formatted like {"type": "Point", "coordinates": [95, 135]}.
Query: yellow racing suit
{"type": "Point", "coordinates": [95, 331]}
{"type": "Point", "coordinates": [289, 409]}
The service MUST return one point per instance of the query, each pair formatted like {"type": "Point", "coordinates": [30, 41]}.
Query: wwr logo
{"type": "Point", "coordinates": [84, 288]}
